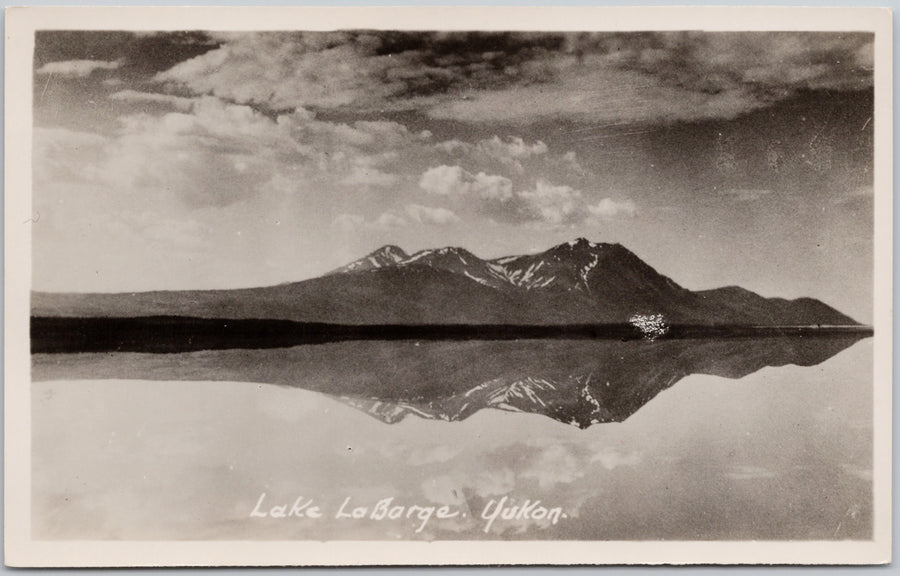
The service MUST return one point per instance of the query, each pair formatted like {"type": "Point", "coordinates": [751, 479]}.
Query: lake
{"type": "Point", "coordinates": [704, 439]}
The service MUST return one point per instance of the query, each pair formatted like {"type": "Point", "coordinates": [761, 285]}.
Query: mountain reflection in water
{"type": "Point", "coordinates": [576, 382]}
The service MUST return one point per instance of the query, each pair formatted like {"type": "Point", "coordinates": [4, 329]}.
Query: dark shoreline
{"type": "Point", "coordinates": [172, 334]}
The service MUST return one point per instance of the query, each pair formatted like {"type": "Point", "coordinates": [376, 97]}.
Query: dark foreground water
{"type": "Point", "coordinates": [765, 438]}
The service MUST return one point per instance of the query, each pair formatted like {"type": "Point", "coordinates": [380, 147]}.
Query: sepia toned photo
{"type": "Point", "coordinates": [331, 282]}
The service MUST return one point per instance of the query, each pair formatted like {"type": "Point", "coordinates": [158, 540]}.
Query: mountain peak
{"type": "Point", "coordinates": [578, 245]}
{"type": "Point", "coordinates": [391, 251]}
{"type": "Point", "coordinates": [387, 255]}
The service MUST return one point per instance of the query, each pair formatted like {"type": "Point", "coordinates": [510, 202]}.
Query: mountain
{"type": "Point", "coordinates": [577, 282]}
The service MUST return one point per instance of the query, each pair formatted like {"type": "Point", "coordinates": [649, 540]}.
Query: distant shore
{"type": "Point", "coordinates": [172, 334]}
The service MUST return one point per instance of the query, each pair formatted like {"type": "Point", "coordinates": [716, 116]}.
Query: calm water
{"type": "Point", "coordinates": [740, 439]}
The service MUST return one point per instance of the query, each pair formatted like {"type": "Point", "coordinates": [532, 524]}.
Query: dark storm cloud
{"type": "Point", "coordinates": [522, 77]}
{"type": "Point", "coordinates": [141, 54]}
{"type": "Point", "coordinates": [773, 63]}
{"type": "Point", "coordinates": [364, 69]}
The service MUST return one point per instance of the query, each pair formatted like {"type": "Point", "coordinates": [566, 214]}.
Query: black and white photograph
{"type": "Point", "coordinates": [320, 282]}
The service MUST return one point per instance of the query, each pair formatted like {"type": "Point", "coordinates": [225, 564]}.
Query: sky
{"type": "Point", "coordinates": [220, 160]}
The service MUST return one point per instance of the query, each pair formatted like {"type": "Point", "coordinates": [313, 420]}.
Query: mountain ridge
{"type": "Point", "coordinates": [574, 282]}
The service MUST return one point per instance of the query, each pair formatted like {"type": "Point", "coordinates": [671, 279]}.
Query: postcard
{"type": "Point", "coordinates": [447, 286]}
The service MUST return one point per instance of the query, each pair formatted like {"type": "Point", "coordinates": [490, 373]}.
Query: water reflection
{"type": "Point", "coordinates": [159, 446]}
{"type": "Point", "coordinates": [581, 383]}
{"type": "Point", "coordinates": [576, 382]}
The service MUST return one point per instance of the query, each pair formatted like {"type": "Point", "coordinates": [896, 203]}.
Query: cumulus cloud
{"type": "Point", "coordinates": [212, 153]}
{"type": "Point", "coordinates": [608, 208]}
{"type": "Point", "coordinates": [77, 68]}
{"type": "Point", "coordinates": [553, 204]}
{"type": "Point", "coordinates": [455, 181]}
{"type": "Point", "coordinates": [493, 187]}
{"type": "Point", "coordinates": [510, 152]}
{"type": "Point", "coordinates": [545, 202]}
{"type": "Point", "coordinates": [570, 161]}
{"type": "Point", "coordinates": [445, 181]}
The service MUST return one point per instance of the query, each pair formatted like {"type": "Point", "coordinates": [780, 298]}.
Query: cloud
{"type": "Point", "coordinates": [178, 102]}
{"type": "Point", "coordinates": [427, 215]}
{"type": "Point", "coordinates": [445, 181]}
{"type": "Point", "coordinates": [211, 153]}
{"type": "Point", "coordinates": [492, 187]}
{"type": "Point", "coordinates": [609, 208]}
{"type": "Point", "coordinates": [455, 181]}
{"type": "Point", "coordinates": [215, 155]}
{"type": "Point", "coordinates": [361, 70]}
{"type": "Point", "coordinates": [595, 91]}
{"type": "Point", "coordinates": [77, 68]}
{"type": "Point", "coordinates": [286, 70]}
{"type": "Point", "coordinates": [510, 152]}
{"type": "Point", "coordinates": [526, 77]}
{"type": "Point", "coordinates": [546, 203]}
{"type": "Point", "coordinates": [662, 78]}
{"type": "Point", "coordinates": [553, 204]}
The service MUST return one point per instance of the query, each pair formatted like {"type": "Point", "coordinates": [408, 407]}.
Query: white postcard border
{"type": "Point", "coordinates": [21, 550]}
